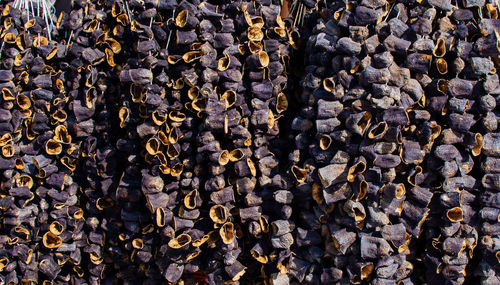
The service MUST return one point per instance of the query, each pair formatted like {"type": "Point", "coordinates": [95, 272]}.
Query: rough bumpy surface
{"type": "Point", "coordinates": [235, 142]}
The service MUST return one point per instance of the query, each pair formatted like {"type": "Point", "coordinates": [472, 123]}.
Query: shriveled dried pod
{"type": "Point", "coordinates": [392, 191]}
{"type": "Point", "coordinates": [446, 152]}
{"type": "Point", "coordinates": [332, 174]}
{"type": "Point", "coordinates": [373, 247]}
{"type": "Point", "coordinates": [51, 240]}
{"type": "Point", "coordinates": [440, 48]}
{"type": "Point", "coordinates": [442, 66]}
{"type": "Point", "coordinates": [359, 122]}
{"type": "Point", "coordinates": [355, 210]}
{"type": "Point", "coordinates": [235, 271]}
{"type": "Point", "coordinates": [455, 214]}
{"type": "Point", "coordinates": [245, 168]}
{"type": "Point", "coordinates": [329, 109]}
{"type": "Point", "coordinates": [454, 246]}
{"type": "Point", "coordinates": [180, 241]}
{"type": "Point", "coordinates": [53, 147]}
{"type": "Point", "coordinates": [192, 200]}
{"type": "Point", "coordinates": [62, 135]}
{"type": "Point", "coordinates": [358, 168]}
{"type": "Point", "coordinates": [185, 19]}
{"type": "Point", "coordinates": [378, 131]}
{"type": "Point", "coordinates": [218, 214]}
{"type": "Point", "coordinates": [227, 233]}
{"type": "Point", "coordinates": [299, 174]}
{"type": "Point", "coordinates": [419, 62]}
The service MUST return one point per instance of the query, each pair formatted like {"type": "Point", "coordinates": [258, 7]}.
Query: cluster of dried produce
{"type": "Point", "coordinates": [152, 141]}
{"type": "Point", "coordinates": [396, 142]}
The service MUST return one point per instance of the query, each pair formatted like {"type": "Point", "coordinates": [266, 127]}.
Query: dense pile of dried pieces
{"type": "Point", "coordinates": [165, 141]}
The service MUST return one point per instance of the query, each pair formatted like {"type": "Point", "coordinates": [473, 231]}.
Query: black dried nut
{"type": "Point", "coordinates": [392, 191]}
{"type": "Point", "coordinates": [223, 40]}
{"type": "Point", "coordinates": [376, 218]}
{"type": "Point", "coordinates": [139, 76]}
{"type": "Point", "coordinates": [399, 75]}
{"type": "Point", "coordinates": [437, 104]}
{"type": "Point", "coordinates": [372, 44]}
{"type": "Point", "coordinates": [373, 247]}
{"type": "Point", "coordinates": [262, 119]}
{"type": "Point", "coordinates": [441, 4]}
{"type": "Point", "coordinates": [358, 123]}
{"type": "Point", "coordinates": [324, 42]}
{"type": "Point", "coordinates": [458, 105]}
{"type": "Point", "coordinates": [396, 116]}
{"type": "Point", "coordinates": [245, 185]}
{"type": "Point", "coordinates": [414, 89]}
{"type": "Point", "coordinates": [491, 144]}
{"type": "Point", "coordinates": [446, 152]}
{"type": "Point", "coordinates": [454, 245]}
{"type": "Point", "coordinates": [283, 196]}
{"type": "Point", "coordinates": [235, 271]}
{"type": "Point", "coordinates": [396, 234]}
{"type": "Point", "coordinates": [327, 125]}
{"type": "Point", "coordinates": [6, 75]}
{"type": "Point", "coordinates": [342, 240]}
{"type": "Point", "coordinates": [49, 268]}
{"type": "Point", "coordinates": [373, 3]}
{"type": "Point", "coordinates": [332, 174]}
{"type": "Point", "coordinates": [397, 27]}
{"type": "Point", "coordinates": [387, 160]}
{"type": "Point", "coordinates": [383, 60]}
{"type": "Point", "coordinates": [481, 65]}
{"type": "Point", "coordinates": [465, 182]}
{"type": "Point", "coordinates": [396, 45]}
{"type": "Point", "coordinates": [419, 62]}
{"type": "Point", "coordinates": [151, 184]}
{"type": "Point", "coordinates": [42, 81]}
{"type": "Point", "coordinates": [301, 124]}
{"type": "Point", "coordinates": [461, 123]}
{"type": "Point", "coordinates": [92, 55]}
{"type": "Point", "coordinates": [373, 75]}
{"type": "Point", "coordinates": [244, 168]}
{"type": "Point", "coordinates": [262, 90]}
{"type": "Point", "coordinates": [281, 227]}
{"type": "Point", "coordinates": [282, 242]}
{"type": "Point", "coordinates": [355, 210]}
{"type": "Point", "coordinates": [258, 60]}
{"type": "Point", "coordinates": [351, 64]}
{"type": "Point", "coordinates": [473, 3]}
{"type": "Point", "coordinates": [223, 196]}
{"type": "Point", "coordinates": [412, 153]}
{"type": "Point", "coordinates": [463, 15]}
{"type": "Point", "coordinates": [348, 46]}
{"type": "Point", "coordinates": [460, 88]}
{"type": "Point", "coordinates": [423, 26]}
{"type": "Point", "coordinates": [491, 165]}
{"type": "Point", "coordinates": [173, 272]}
{"type": "Point", "coordinates": [342, 193]}
{"type": "Point", "coordinates": [487, 103]}
{"type": "Point", "coordinates": [366, 16]}
{"type": "Point", "coordinates": [185, 19]}
{"type": "Point", "coordinates": [250, 213]}
{"type": "Point", "coordinates": [384, 147]}
{"type": "Point", "coordinates": [424, 46]}
{"type": "Point", "coordinates": [383, 93]}
{"type": "Point", "coordinates": [491, 181]}
{"type": "Point", "coordinates": [190, 77]}
{"type": "Point", "coordinates": [490, 214]}
{"type": "Point", "coordinates": [487, 46]}
{"type": "Point", "coordinates": [215, 183]}
{"type": "Point", "coordinates": [185, 37]}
